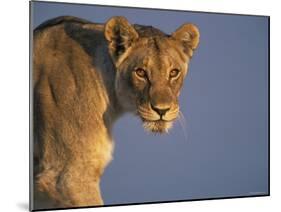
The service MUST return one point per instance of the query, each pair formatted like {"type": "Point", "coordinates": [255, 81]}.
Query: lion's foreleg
{"type": "Point", "coordinates": [79, 185]}
{"type": "Point", "coordinates": [78, 182]}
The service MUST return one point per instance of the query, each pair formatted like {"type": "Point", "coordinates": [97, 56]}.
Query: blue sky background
{"type": "Point", "coordinates": [224, 101]}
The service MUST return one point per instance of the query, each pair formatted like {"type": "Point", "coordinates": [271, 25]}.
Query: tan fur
{"type": "Point", "coordinates": [84, 78]}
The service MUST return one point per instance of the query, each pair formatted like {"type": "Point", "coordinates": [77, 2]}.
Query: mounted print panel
{"type": "Point", "coordinates": [137, 105]}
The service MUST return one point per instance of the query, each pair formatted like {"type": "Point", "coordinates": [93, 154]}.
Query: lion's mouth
{"type": "Point", "coordinates": [159, 126]}
{"type": "Point", "coordinates": [154, 122]}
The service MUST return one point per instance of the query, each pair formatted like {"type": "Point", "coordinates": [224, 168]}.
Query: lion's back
{"type": "Point", "coordinates": [62, 67]}
{"type": "Point", "coordinates": [69, 92]}
{"type": "Point", "coordinates": [53, 46]}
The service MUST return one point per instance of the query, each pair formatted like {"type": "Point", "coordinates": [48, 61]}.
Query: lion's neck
{"type": "Point", "coordinates": [102, 65]}
{"type": "Point", "coordinates": [107, 71]}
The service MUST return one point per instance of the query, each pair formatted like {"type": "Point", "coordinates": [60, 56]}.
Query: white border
{"type": "Point", "coordinates": [14, 103]}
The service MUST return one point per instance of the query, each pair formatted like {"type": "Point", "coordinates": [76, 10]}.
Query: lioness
{"type": "Point", "coordinates": [85, 76]}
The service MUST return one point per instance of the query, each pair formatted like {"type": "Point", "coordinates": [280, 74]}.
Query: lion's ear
{"type": "Point", "coordinates": [120, 34]}
{"type": "Point", "coordinates": [188, 35]}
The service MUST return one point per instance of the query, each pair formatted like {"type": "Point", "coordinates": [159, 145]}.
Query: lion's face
{"type": "Point", "coordinates": [149, 82]}
{"type": "Point", "coordinates": [151, 67]}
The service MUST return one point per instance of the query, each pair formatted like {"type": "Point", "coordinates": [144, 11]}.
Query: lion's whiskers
{"type": "Point", "coordinates": [183, 125]}
{"type": "Point", "coordinates": [148, 115]}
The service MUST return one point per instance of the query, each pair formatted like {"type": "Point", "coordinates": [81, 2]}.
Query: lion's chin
{"type": "Point", "coordinates": [159, 126]}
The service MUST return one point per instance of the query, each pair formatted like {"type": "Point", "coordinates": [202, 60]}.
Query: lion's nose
{"type": "Point", "coordinates": [160, 110]}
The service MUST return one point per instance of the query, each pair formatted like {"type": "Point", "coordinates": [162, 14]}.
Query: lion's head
{"type": "Point", "coordinates": [151, 67]}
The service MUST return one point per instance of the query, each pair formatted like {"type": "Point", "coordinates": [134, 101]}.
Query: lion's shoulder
{"type": "Point", "coordinates": [69, 53]}
{"type": "Point", "coordinates": [61, 20]}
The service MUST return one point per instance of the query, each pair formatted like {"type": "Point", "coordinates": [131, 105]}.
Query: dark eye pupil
{"type": "Point", "coordinates": [140, 72]}
{"type": "Point", "coordinates": [174, 73]}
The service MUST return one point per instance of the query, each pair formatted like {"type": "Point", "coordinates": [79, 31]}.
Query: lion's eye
{"type": "Point", "coordinates": [140, 72]}
{"type": "Point", "coordinates": [174, 73]}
